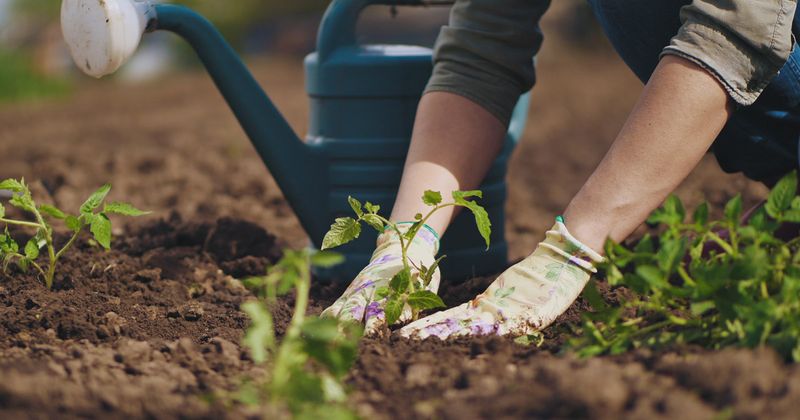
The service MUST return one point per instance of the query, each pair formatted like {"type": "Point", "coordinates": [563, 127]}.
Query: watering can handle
{"type": "Point", "coordinates": [338, 27]}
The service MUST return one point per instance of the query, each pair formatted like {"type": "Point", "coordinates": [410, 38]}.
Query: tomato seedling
{"type": "Point", "coordinates": [713, 284]}
{"type": "Point", "coordinates": [89, 215]}
{"type": "Point", "coordinates": [305, 371]}
{"type": "Point", "coordinates": [407, 287]}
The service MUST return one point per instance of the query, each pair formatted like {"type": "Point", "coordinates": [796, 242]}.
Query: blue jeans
{"type": "Point", "coordinates": [760, 140]}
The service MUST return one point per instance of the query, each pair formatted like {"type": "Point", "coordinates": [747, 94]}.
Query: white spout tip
{"type": "Point", "coordinates": [103, 34]}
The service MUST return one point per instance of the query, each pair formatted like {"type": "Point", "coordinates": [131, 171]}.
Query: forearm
{"type": "Point", "coordinates": [453, 146]}
{"type": "Point", "coordinates": [677, 118]}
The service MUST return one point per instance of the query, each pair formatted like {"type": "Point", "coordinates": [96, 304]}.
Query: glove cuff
{"type": "Point", "coordinates": [559, 240]}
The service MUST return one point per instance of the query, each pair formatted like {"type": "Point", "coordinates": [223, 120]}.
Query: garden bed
{"type": "Point", "coordinates": [153, 328]}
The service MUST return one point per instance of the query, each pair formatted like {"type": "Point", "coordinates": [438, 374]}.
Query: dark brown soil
{"type": "Point", "coordinates": [150, 329]}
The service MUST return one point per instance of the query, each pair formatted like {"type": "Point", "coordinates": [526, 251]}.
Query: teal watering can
{"type": "Point", "coordinates": [363, 102]}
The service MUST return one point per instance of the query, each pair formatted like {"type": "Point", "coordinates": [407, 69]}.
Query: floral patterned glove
{"type": "Point", "coordinates": [358, 302]}
{"type": "Point", "coordinates": [527, 297]}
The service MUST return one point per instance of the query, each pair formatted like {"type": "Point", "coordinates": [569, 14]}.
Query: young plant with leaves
{"type": "Point", "coordinates": [305, 371]}
{"type": "Point", "coordinates": [89, 215]}
{"type": "Point", "coordinates": [410, 285]}
{"type": "Point", "coordinates": [713, 284]}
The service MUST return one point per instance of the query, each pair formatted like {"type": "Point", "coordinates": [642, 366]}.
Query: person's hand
{"type": "Point", "coordinates": [358, 303]}
{"type": "Point", "coordinates": [526, 298]}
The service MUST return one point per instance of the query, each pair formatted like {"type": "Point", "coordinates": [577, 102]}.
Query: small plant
{"type": "Point", "coordinates": [88, 216]}
{"type": "Point", "coordinates": [305, 371]}
{"type": "Point", "coordinates": [407, 286]}
{"type": "Point", "coordinates": [712, 284]}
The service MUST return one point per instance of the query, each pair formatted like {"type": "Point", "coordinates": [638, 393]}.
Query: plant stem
{"type": "Point", "coordinates": [286, 350]}
{"type": "Point", "coordinates": [721, 242]}
{"type": "Point", "coordinates": [19, 223]}
{"type": "Point", "coordinates": [403, 246]}
{"type": "Point", "coordinates": [33, 263]}
{"type": "Point", "coordinates": [51, 253]}
{"type": "Point", "coordinates": [67, 245]}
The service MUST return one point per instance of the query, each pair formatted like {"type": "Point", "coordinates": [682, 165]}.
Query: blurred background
{"type": "Point", "coordinates": [34, 62]}
{"type": "Point", "coordinates": [161, 133]}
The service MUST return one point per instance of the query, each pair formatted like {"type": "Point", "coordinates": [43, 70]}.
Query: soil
{"type": "Point", "coordinates": [152, 328]}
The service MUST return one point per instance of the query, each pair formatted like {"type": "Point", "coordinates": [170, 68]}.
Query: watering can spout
{"type": "Point", "coordinates": [103, 34]}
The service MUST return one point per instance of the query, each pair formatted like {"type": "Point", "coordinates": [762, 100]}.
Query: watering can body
{"type": "Point", "coordinates": [363, 103]}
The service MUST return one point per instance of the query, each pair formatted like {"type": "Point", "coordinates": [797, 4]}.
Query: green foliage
{"type": "Point", "coordinates": [19, 81]}
{"type": "Point", "coordinates": [408, 286]}
{"type": "Point", "coordinates": [712, 284]}
{"type": "Point", "coordinates": [98, 222]}
{"type": "Point", "coordinates": [305, 371]}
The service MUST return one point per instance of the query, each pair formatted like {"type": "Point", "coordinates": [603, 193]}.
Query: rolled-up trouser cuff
{"type": "Point", "coordinates": [742, 71]}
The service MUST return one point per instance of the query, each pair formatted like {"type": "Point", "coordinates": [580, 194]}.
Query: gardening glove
{"type": "Point", "coordinates": [526, 298]}
{"type": "Point", "coordinates": [358, 303]}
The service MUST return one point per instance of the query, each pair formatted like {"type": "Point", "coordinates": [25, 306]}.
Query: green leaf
{"type": "Point", "coordinates": [401, 280]}
{"type": "Point", "coordinates": [342, 231]}
{"type": "Point", "coordinates": [671, 213]}
{"type": "Point", "coordinates": [7, 244]}
{"type": "Point", "coordinates": [52, 211]}
{"type": "Point", "coordinates": [481, 216]}
{"type": "Point", "coordinates": [461, 195]}
{"type": "Point", "coordinates": [733, 210]}
{"type": "Point", "coordinates": [432, 198]}
{"type": "Point", "coordinates": [355, 205]}
{"type": "Point", "coordinates": [124, 209]}
{"type": "Point", "coordinates": [535, 339]}
{"type": "Point", "coordinates": [326, 259]}
{"type": "Point", "coordinates": [73, 223]}
{"type": "Point", "coordinates": [432, 270]}
{"type": "Point", "coordinates": [324, 330]}
{"type": "Point", "coordinates": [375, 221]}
{"type": "Point", "coordinates": [652, 275]}
{"type": "Point", "coordinates": [425, 299]}
{"type": "Point", "coordinates": [670, 254]}
{"type": "Point", "coordinates": [24, 264]}
{"type": "Point", "coordinates": [32, 249]}
{"type": "Point", "coordinates": [23, 201]}
{"type": "Point", "coordinates": [393, 310]}
{"type": "Point", "coordinates": [782, 194]}
{"type": "Point", "coordinates": [2, 211]}
{"type": "Point", "coordinates": [260, 337]}
{"type": "Point", "coordinates": [674, 206]}
{"type": "Point", "coordinates": [94, 200]}
{"type": "Point", "coordinates": [372, 208]}
{"type": "Point", "coordinates": [699, 308]}
{"type": "Point", "coordinates": [12, 185]}
{"type": "Point", "coordinates": [700, 216]}
{"type": "Point", "coordinates": [332, 343]}
{"type": "Point", "coordinates": [791, 215]}
{"type": "Point", "coordinates": [592, 295]}
{"type": "Point", "coordinates": [382, 292]}
{"type": "Point", "coordinates": [101, 229]}
{"type": "Point", "coordinates": [412, 230]}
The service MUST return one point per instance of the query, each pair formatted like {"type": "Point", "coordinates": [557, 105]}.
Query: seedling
{"type": "Point", "coordinates": [305, 371]}
{"type": "Point", "coordinates": [88, 216]}
{"type": "Point", "coordinates": [407, 287]}
{"type": "Point", "coordinates": [712, 284]}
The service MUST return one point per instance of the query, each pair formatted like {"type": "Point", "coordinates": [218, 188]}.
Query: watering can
{"type": "Point", "coordinates": [363, 103]}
